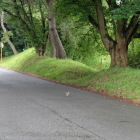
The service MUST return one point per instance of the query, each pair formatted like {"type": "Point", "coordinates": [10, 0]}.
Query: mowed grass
{"type": "Point", "coordinates": [119, 82]}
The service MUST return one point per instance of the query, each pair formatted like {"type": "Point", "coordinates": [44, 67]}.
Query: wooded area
{"type": "Point", "coordinates": [87, 31]}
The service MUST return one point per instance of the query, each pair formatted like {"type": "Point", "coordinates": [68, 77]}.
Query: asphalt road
{"type": "Point", "coordinates": [35, 109]}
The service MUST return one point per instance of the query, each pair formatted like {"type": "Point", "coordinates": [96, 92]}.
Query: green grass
{"type": "Point", "coordinates": [66, 71]}
{"type": "Point", "coordinates": [120, 82]}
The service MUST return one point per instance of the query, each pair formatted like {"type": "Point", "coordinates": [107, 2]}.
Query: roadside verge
{"type": "Point", "coordinates": [118, 83]}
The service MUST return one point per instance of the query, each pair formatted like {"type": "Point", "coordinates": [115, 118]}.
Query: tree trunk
{"type": "Point", "coordinates": [124, 32]}
{"type": "Point", "coordinates": [5, 30]}
{"type": "Point", "coordinates": [41, 50]}
{"type": "Point", "coordinates": [119, 54]}
{"type": "Point", "coordinates": [56, 43]}
{"type": "Point", "coordinates": [53, 49]}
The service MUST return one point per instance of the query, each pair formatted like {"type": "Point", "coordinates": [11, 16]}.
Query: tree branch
{"type": "Point", "coordinates": [133, 33]}
{"type": "Point", "coordinates": [131, 27]}
{"type": "Point", "coordinates": [42, 20]}
{"type": "Point", "coordinates": [30, 13]}
{"type": "Point", "coordinates": [23, 11]}
{"type": "Point", "coordinates": [18, 17]}
{"type": "Point", "coordinates": [107, 40]}
{"type": "Point", "coordinates": [112, 4]}
{"type": "Point", "coordinates": [9, 13]}
{"type": "Point", "coordinates": [93, 22]}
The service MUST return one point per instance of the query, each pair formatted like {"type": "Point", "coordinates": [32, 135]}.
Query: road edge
{"type": "Point", "coordinates": [86, 88]}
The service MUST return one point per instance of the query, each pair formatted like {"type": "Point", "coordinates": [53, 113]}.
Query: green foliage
{"type": "Point", "coordinates": [19, 39]}
{"type": "Point", "coordinates": [30, 16]}
{"type": "Point", "coordinates": [75, 8]}
{"type": "Point", "coordinates": [80, 39]}
{"type": "Point", "coordinates": [82, 43]}
{"type": "Point", "coordinates": [6, 36]}
{"type": "Point", "coordinates": [112, 12]}
{"type": "Point", "coordinates": [134, 60]}
{"type": "Point", "coordinates": [127, 9]}
{"type": "Point", "coordinates": [17, 36]}
{"type": "Point", "coordinates": [134, 54]}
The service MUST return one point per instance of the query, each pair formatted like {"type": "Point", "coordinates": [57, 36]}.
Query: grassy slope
{"type": "Point", "coordinates": [121, 82]}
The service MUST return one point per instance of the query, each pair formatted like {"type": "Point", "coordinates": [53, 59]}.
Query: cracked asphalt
{"type": "Point", "coordinates": [35, 109]}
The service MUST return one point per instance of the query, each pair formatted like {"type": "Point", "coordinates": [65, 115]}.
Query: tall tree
{"type": "Point", "coordinates": [5, 31]}
{"type": "Point", "coordinates": [116, 21]}
{"type": "Point", "coordinates": [124, 31]}
{"type": "Point", "coordinates": [25, 11]}
{"type": "Point", "coordinates": [57, 47]}
{"type": "Point", "coordinates": [32, 16]}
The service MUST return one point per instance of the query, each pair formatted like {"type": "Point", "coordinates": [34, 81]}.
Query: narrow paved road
{"type": "Point", "coordinates": [35, 109]}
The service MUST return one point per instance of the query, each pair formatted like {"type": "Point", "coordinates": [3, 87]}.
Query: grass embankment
{"type": "Point", "coordinates": [119, 82]}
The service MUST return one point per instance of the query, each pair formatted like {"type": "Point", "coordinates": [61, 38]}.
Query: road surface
{"type": "Point", "coordinates": [35, 109]}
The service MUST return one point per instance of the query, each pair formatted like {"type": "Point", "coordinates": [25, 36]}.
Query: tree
{"type": "Point", "coordinates": [35, 27]}
{"type": "Point", "coordinates": [125, 29]}
{"type": "Point", "coordinates": [57, 47]}
{"type": "Point", "coordinates": [32, 16]}
{"type": "Point", "coordinates": [6, 34]}
{"type": "Point", "coordinates": [117, 23]}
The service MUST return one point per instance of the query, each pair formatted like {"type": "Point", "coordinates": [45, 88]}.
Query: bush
{"type": "Point", "coordinates": [134, 53]}
{"type": "Point", "coordinates": [134, 60]}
